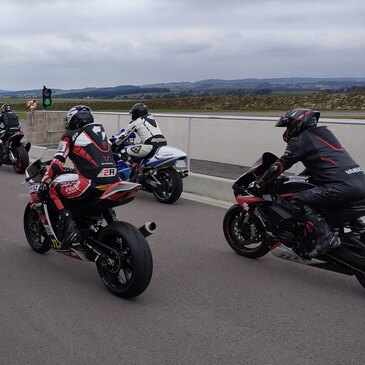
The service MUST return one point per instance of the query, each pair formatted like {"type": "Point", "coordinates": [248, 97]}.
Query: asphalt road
{"type": "Point", "coordinates": [205, 304]}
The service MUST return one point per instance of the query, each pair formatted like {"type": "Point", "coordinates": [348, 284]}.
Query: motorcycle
{"type": "Point", "coordinates": [120, 250]}
{"type": "Point", "coordinates": [161, 173]}
{"type": "Point", "coordinates": [259, 224]}
{"type": "Point", "coordinates": [13, 151]}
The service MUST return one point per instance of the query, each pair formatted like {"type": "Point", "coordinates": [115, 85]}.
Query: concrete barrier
{"type": "Point", "coordinates": [209, 186]}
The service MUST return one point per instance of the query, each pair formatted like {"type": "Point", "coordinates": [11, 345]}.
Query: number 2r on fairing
{"type": "Point", "coordinates": [107, 172]}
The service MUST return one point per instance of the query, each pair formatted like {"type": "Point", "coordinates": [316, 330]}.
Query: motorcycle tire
{"type": "Point", "coordinates": [134, 272]}
{"type": "Point", "coordinates": [246, 239]}
{"type": "Point", "coordinates": [171, 186]}
{"type": "Point", "coordinates": [22, 159]}
{"type": "Point", "coordinates": [34, 231]}
{"type": "Point", "coordinates": [361, 278]}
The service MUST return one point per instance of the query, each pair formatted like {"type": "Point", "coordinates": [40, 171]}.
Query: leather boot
{"type": "Point", "coordinates": [326, 239]}
{"type": "Point", "coordinates": [357, 226]}
{"type": "Point", "coordinates": [71, 235]}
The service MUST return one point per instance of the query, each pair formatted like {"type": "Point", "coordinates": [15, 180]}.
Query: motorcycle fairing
{"type": "Point", "coordinates": [65, 178]}
{"type": "Point", "coordinates": [14, 139]}
{"type": "Point", "coordinates": [254, 172]}
{"type": "Point", "coordinates": [120, 191]}
{"type": "Point", "coordinates": [293, 185]}
{"type": "Point", "coordinates": [124, 169]}
{"type": "Point", "coordinates": [248, 199]}
{"type": "Point", "coordinates": [271, 213]}
{"type": "Point", "coordinates": [164, 156]}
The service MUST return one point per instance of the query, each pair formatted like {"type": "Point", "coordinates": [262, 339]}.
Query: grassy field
{"type": "Point", "coordinates": [335, 102]}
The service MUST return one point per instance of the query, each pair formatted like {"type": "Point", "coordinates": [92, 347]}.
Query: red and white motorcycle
{"type": "Point", "coordinates": [120, 250]}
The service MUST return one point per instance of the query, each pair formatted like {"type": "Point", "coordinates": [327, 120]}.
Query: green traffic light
{"type": "Point", "coordinates": [47, 102]}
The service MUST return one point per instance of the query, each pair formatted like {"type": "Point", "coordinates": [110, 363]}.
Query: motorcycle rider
{"type": "Point", "coordinates": [86, 144]}
{"type": "Point", "coordinates": [148, 130]}
{"type": "Point", "coordinates": [338, 178]}
{"type": "Point", "coordinates": [9, 122]}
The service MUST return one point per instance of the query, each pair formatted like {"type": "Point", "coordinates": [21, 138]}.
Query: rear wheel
{"type": "Point", "coordinates": [22, 159]}
{"type": "Point", "coordinates": [129, 272]}
{"type": "Point", "coordinates": [34, 231]}
{"type": "Point", "coordinates": [245, 237]}
{"type": "Point", "coordinates": [171, 186]}
{"type": "Point", "coordinates": [361, 278]}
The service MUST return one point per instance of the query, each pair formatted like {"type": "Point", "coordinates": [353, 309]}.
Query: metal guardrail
{"type": "Point", "coordinates": [190, 117]}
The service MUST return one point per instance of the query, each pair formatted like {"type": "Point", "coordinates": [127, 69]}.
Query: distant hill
{"type": "Point", "coordinates": [203, 87]}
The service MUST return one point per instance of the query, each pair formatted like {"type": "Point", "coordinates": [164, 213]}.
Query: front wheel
{"type": "Point", "coordinates": [243, 234]}
{"type": "Point", "coordinates": [22, 159]}
{"type": "Point", "coordinates": [129, 273]}
{"type": "Point", "coordinates": [171, 186]}
{"type": "Point", "coordinates": [34, 231]}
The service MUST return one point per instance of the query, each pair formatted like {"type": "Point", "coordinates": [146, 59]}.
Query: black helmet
{"type": "Point", "coordinates": [296, 121]}
{"type": "Point", "coordinates": [78, 116]}
{"type": "Point", "coordinates": [6, 108]}
{"type": "Point", "coordinates": [138, 110]}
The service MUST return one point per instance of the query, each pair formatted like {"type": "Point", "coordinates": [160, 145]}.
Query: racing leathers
{"type": "Point", "coordinates": [148, 131]}
{"type": "Point", "coordinates": [9, 124]}
{"type": "Point", "coordinates": [89, 150]}
{"type": "Point", "coordinates": [338, 179]}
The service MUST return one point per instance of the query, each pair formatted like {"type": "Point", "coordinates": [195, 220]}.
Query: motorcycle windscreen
{"type": "Point", "coordinates": [34, 170]}
{"type": "Point", "coordinates": [256, 171]}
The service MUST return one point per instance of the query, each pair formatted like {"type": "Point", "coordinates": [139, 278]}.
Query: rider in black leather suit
{"type": "Point", "coordinates": [338, 177]}
{"type": "Point", "coordinates": [9, 122]}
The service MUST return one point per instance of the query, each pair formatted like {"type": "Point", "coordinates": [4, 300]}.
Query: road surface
{"type": "Point", "coordinates": [205, 304]}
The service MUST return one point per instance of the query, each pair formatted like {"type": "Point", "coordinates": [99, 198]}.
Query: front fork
{"type": "Point", "coordinates": [43, 212]}
{"type": "Point", "coordinates": [272, 241]}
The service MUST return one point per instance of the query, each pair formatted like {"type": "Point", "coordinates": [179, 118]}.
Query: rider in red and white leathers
{"type": "Point", "coordinates": [148, 130]}
{"type": "Point", "coordinates": [87, 146]}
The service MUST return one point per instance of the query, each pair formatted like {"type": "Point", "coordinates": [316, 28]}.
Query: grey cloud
{"type": "Point", "coordinates": [92, 43]}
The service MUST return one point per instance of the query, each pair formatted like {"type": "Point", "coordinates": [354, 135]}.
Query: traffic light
{"type": "Point", "coordinates": [47, 97]}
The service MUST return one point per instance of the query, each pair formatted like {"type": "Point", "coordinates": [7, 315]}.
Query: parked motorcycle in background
{"type": "Point", "coordinates": [257, 225]}
{"type": "Point", "coordinates": [160, 174]}
{"type": "Point", "coordinates": [120, 250]}
{"type": "Point", "coordinates": [13, 151]}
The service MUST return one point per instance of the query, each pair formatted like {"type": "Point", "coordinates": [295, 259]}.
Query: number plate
{"type": "Point", "coordinates": [33, 188]}
{"type": "Point", "coordinates": [181, 165]}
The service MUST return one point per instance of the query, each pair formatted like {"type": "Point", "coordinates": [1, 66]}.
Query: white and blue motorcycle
{"type": "Point", "coordinates": [161, 174]}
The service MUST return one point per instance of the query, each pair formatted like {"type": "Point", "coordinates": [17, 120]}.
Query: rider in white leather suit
{"type": "Point", "coordinates": [145, 125]}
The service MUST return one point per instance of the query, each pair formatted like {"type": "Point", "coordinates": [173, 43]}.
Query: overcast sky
{"type": "Point", "coordinates": [80, 43]}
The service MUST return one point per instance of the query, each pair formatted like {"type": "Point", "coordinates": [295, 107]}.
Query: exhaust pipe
{"type": "Point", "coordinates": [148, 228]}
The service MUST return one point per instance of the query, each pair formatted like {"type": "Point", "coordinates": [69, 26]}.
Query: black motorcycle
{"type": "Point", "coordinates": [13, 151]}
{"type": "Point", "coordinates": [120, 250]}
{"type": "Point", "coordinates": [257, 225]}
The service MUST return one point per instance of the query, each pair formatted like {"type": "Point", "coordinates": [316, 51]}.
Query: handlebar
{"type": "Point", "coordinates": [43, 167]}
